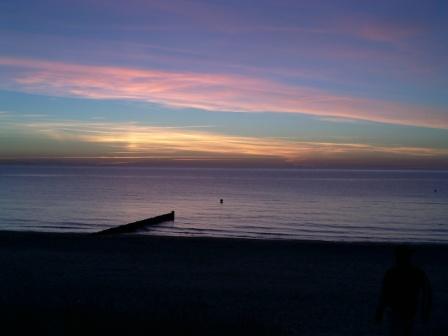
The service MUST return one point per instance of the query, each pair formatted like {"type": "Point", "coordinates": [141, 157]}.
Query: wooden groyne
{"type": "Point", "coordinates": [132, 227]}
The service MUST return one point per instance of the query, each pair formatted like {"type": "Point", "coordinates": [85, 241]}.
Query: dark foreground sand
{"type": "Point", "coordinates": [60, 284]}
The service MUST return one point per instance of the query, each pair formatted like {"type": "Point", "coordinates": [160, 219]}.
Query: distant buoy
{"type": "Point", "coordinates": [435, 190]}
{"type": "Point", "coordinates": [221, 201]}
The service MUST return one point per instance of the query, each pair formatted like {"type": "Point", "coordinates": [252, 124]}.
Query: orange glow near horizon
{"type": "Point", "coordinates": [130, 141]}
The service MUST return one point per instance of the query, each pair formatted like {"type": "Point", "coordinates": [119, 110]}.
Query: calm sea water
{"type": "Point", "coordinates": [334, 205]}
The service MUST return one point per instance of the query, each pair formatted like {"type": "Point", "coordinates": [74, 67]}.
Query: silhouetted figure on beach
{"type": "Point", "coordinates": [406, 293]}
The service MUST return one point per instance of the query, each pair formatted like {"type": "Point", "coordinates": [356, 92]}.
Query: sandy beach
{"type": "Point", "coordinates": [64, 284]}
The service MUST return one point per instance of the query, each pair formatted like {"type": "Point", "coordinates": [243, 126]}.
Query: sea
{"type": "Point", "coordinates": [298, 204]}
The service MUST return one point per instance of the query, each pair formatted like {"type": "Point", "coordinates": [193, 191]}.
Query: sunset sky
{"type": "Point", "coordinates": [268, 83]}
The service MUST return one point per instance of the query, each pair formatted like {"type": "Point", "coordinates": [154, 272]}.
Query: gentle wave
{"type": "Point", "coordinates": [339, 205]}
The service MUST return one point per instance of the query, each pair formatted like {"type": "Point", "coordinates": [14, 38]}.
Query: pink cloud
{"type": "Point", "coordinates": [208, 91]}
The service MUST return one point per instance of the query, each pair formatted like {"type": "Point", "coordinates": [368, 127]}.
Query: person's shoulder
{"type": "Point", "coordinates": [418, 274]}
{"type": "Point", "coordinates": [411, 269]}
{"type": "Point", "coordinates": [418, 271]}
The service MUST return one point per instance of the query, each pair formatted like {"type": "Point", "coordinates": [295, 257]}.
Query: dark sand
{"type": "Point", "coordinates": [64, 284]}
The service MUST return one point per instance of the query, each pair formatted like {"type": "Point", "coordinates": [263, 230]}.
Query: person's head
{"type": "Point", "coordinates": [403, 255]}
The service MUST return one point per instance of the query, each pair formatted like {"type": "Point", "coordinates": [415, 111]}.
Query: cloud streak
{"type": "Point", "coordinates": [224, 18]}
{"type": "Point", "coordinates": [133, 141]}
{"type": "Point", "coordinates": [207, 91]}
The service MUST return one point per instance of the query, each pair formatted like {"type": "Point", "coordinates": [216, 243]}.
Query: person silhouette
{"type": "Point", "coordinates": [405, 292]}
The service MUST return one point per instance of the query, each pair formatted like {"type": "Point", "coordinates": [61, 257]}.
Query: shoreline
{"type": "Point", "coordinates": [236, 239]}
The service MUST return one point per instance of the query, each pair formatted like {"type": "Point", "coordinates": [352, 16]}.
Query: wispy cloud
{"type": "Point", "coordinates": [208, 91]}
{"type": "Point", "coordinates": [33, 115]}
{"type": "Point", "coordinates": [360, 28]}
{"type": "Point", "coordinates": [224, 18]}
{"type": "Point", "coordinates": [138, 141]}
